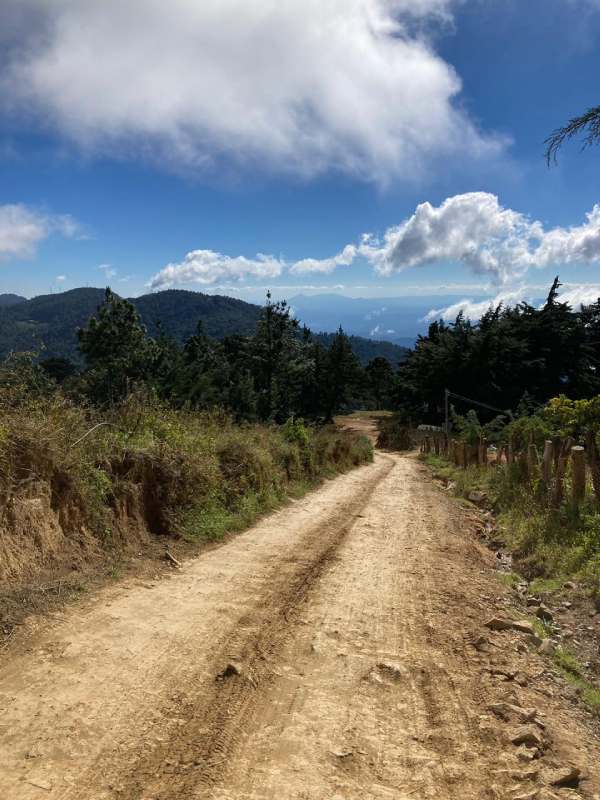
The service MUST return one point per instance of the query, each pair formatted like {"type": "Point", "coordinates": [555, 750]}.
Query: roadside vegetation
{"type": "Point", "coordinates": [551, 541]}
{"type": "Point", "coordinates": [152, 440]}
{"type": "Point", "coordinates": [519, 378]}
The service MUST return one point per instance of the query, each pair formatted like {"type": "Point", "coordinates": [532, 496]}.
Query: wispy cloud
{"type": "Point", "coordinates": [108, 270]}
{"type": "Point", "coordinates": [23, 228]}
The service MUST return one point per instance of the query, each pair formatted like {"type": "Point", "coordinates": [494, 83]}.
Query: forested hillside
{"type": "Point", "coordinates": [8, 299]}
{"type": "Point", "coordinates": [513, 356]}
{"type": "Point", "coordinates": [49, 322]}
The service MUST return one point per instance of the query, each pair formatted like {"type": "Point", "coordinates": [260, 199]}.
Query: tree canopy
{"type": "Point", "coordinates": [511, 352]}
{"type": "Point", "coordinates": [280, 371]}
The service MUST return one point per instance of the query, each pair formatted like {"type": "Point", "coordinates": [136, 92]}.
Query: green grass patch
{"type": "Point", "coordinates": [541, 629]}
{"type": "Point", "coordinates": [545, 585]}
{"type": "Point", "coordinates": [573, 672]}
{"type": "Point", "coordinates": [466, 481]}
{"type": "Point", "coordinates": [549, 545]}
{"type": "Point", "coordinates": [509, 579]}
{"type": "Point", "coordinates": [567, 661]}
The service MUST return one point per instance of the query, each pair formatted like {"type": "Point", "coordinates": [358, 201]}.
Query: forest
{"type": "Point", "coordinates": [278, 372]}
{"type": "Point", "coordinates": [513, 358]}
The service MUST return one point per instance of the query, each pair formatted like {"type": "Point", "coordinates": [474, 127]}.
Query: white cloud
{"type": "Point", "coordinates": [471, 228]}
{"type": "Point", "coordinates": [61, 278]}
{"type": "Point", "coordinates": [22, 229]}
{"type": "Point", "coordinates": [575, 296]}
{"type": "Point", "coordinates": [108, 270]}
{"type": "Point", "coordinates": [206, 267]}
{"type": "Point", "coordinates": [476, 230]}
{"type": "Point", "coordinates": [301, 86]}
{"type": "Point", "coordinates": [475, 309]}
{"type": "Point", "coordinates": [343, 259]}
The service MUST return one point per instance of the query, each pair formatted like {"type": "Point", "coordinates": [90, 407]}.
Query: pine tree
{"type": "Point", "coordinates": [117, 350]}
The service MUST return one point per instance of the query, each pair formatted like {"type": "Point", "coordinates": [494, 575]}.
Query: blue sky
{"type": "Point", "coordinates": [149, 147]}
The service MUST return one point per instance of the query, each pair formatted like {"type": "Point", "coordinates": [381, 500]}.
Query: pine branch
{"type": "Point", "coordinates": [588, 124]}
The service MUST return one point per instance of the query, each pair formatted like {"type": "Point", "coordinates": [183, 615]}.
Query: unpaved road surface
{"type": "Point", "coordinates": [347, 620]}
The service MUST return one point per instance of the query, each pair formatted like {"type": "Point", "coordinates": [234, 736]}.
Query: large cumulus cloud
{"type": "Point", "coordinates": [301, 86]}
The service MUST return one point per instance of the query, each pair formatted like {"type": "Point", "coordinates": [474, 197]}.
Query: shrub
{"type": "Point", "coordinates": [394, 434]}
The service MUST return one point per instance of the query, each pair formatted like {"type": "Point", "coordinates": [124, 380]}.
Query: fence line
{"type": "Point", "coordinates": [550, 468]}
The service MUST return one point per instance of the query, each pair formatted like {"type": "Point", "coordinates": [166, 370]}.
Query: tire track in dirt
{"type": "Point", "coordinates": [351, 729]}
{"type": "Point", "coordinates": [350, 615]}
{"type": "Point", "coordinates": [107, 690]}
{"type": "Point", "coordinates": [216, 718]}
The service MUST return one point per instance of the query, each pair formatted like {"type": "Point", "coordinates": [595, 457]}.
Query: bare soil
{"type": "Point", "coordinates": [337, 649]}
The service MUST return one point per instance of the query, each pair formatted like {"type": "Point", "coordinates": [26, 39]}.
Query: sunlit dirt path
{"type": "Point", "coordinates": [325, 653]}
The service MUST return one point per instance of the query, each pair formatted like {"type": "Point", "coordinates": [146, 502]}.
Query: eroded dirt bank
{"type": "Point", "coordinates": [335, 650]}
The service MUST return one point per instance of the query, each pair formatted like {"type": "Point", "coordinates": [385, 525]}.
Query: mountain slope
{"type": "Point", "coordinates": [48, 323]}
{"type": "Point", "coordinates": [8, 299]}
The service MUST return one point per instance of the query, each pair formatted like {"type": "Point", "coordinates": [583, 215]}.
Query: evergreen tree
{"type": "Point", "coordinates": [201, 378]}
{"type": "Point", "coordinates": [117, 350]}
{"type": "Point", "coordinates": [380, 377]}
{"type": "Point", "coordinates": [341, 376]}
{"type": "Point", "coordinates": [544, 351]}
{"type": "Point", "coordinates": [277, 356]}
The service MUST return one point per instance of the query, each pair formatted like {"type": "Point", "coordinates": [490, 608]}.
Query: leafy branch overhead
{"type": "Point", "coordinates": [587, 124]}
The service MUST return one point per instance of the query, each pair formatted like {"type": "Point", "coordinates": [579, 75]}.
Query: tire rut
{"type": "Point", "coordinates": [210, 722]}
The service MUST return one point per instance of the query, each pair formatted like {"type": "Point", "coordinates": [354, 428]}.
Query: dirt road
{"type": "Point", "coordinates": [325, 653]}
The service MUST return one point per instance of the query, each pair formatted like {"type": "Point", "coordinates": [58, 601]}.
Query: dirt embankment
{"type": "Point", "coordinates": [338, 649]}
{"type": "Point", "coordinates": [71, 520]}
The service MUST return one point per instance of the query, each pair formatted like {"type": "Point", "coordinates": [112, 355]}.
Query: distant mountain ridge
{"type": "Point", "coordinates": [8, 299]}
{"type": "Point", "coordinates": [49, 322]}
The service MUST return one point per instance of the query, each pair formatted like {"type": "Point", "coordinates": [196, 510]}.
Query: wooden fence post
{"type": "Point", "coordinates": [521, 460]}
{"type": "Point", "coordinates": [594, 462]}
{"type": "Point", "coordinates": [483, 453]}
{"type": "Point", "coordinates": [556, 450]}
{"type": "Point", "coordinates": [559, 482]}
{"type": "Point", "coordinates": [473, 454]}
{"type": "Point", "coordinates": [547, 461]}
{"type": "Point", "coordinates": [578, 488]}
